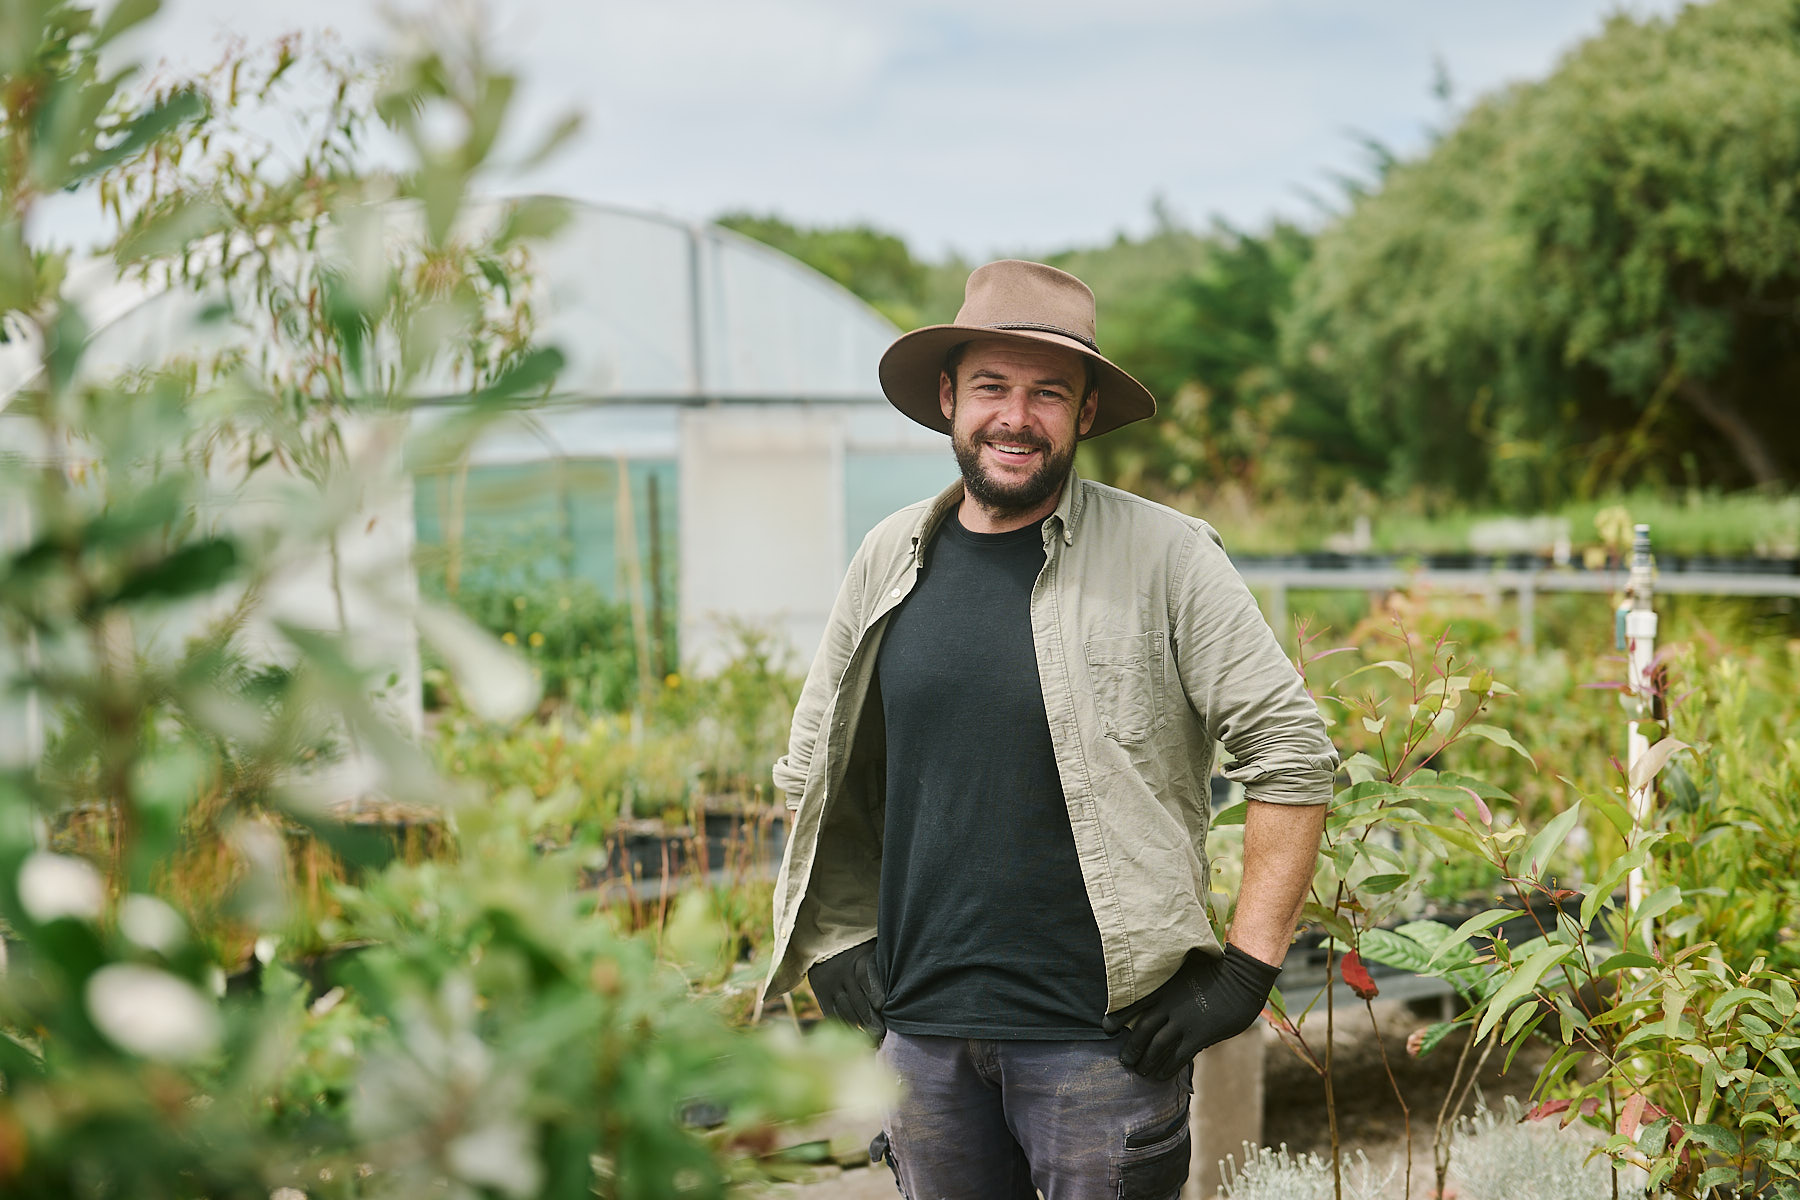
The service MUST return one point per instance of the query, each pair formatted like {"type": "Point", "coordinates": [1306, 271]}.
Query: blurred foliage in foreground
{"type": "Point", "coordinates": [1589, 285]}
{"type": "Point", "coordinates": [475, 1025]}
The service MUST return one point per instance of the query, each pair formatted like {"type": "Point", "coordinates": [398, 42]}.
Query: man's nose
{"type": "Point", "coordinates": [1015, 411]}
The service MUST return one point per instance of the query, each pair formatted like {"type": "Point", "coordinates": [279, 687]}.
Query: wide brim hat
{"type": "Point", "coordinates": [1011, 299]}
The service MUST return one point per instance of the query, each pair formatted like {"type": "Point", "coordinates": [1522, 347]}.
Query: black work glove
{"type": "Point", "coordinates": [1208, 1000]}
{"type": "Point", "coordinates": [849, 988]}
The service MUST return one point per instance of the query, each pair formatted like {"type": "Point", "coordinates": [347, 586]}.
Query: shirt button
{"type": "Point", "coordinates": [895, 593]}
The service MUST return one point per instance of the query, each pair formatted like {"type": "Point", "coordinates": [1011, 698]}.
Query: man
{"type": "Point", "coordinates": [1000, 767]}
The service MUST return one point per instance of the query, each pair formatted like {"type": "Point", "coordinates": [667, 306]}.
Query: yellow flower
{"type": "Point", "coordinates": [536, 638]}
{"type": "Point", "coordinates": [672, 680]}
{"type": "Point", "coordinates": [518, 604]}
{"type": "Point", "coordinates": [563, 604]}
{"type": "Point", "coordinates": [510, 638]}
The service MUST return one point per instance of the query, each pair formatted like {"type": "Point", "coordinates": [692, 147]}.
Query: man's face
{"type": "Point", "coordinates": [1015, 410]}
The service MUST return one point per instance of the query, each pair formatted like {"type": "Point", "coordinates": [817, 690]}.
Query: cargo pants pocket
{"type": "Point", "coordinates": [1154, 1164]}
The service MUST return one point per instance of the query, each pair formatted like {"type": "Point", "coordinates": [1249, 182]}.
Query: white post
{"type": "Point", "coordinates": [1640, 649]}
{"type": "Point", "coordinates": [1228, 1107]}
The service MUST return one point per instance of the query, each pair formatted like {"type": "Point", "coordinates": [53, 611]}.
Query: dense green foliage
{"type": "Point", "coordinates": [480, 1027]}
{"type": "Point", "coordinates": [1588, 284]}
{"type": "Point", "coordinates": [1593, 279]}
{"type": "Point", "coordinates": [1672, 1006]}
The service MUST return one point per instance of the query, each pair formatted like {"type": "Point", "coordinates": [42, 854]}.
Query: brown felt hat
{"type": "Point", "coordinates": [1013, 299]}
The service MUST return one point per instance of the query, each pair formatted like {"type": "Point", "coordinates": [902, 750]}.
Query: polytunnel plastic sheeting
{"type": "Point", "coordinates": [643, 306]}
{"type": "Point", "coordinates": [575, 430]}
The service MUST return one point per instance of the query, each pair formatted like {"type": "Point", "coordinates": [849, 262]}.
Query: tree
{"type": "Point", "coordinates": [876, 265]}
{"type": "Point", "coordinates": [1236, 414]}
{"type": "Point", "coordinates": [1592, 280]}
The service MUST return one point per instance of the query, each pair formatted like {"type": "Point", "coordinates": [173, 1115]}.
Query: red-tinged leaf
{"type": "Point", "coordinates": [1357, 976]}
{"type": "Point", "coordinates": [1551, 1108]}
{"type": "Point", "coordinates": [1632, 1115]}
{"type": "Point", "coordinates": [1588, 1108]}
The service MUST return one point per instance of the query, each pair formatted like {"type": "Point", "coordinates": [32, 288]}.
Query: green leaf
{"type": "Point", "coordinates": [1523, 980]}
{"type": "Point", "coordinates": [1517, 1020]}
{"type": "Point", "coordinates": [527, 378]}
{"type": "Point", "coordinates": [176, 110]}
{"type": "Point", "coordinates": [1381, 885]}
{"type": "Point", "coordinates": [1403, 670]}
{"type": "Point", "coordinates": [192, 569]}
{"type": "Point", "coordinates": [1435, 1034]}
{"type": "Point", "coordinates": [1548, 840]}
{"type": "Point", "coordinates": [170, 231]}
{"type": "Point", "coordinates": [1329, 921]}
{"type": "Point", "coordinates": [1627, 961]}
{"type": "Point", "coordinates": [1501, 737]}
{"type": "Point", "coordinates": [1524, 1034]}
{"type": "Point", "coordinates": [1656, 904]}
{"type": "Point", "coordinates": [1599, 893]}
{"type": "Point", "coordinates": [532, 219]}
{"type": "Point", "coordinates": [1232, 814]}
{"type": "Point", "coordinates": [1717, 1177]}
{"type": "Point", "coordinates": [1613, 811]}
{"type": "Point", "coordinates": [1479, 923]}
{"type": "Point", "coordinates": [1480, 787]}
{"type": "Point", "coordinates": [1373, 789]}
{"type": "Point", "coordinates": [1432, 935]}
{"type": "Point", "coordinates": [1729, 1001]}
{"type": "Point", "coordinates": [126, 14]}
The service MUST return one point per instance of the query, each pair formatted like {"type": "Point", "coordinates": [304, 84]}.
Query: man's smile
{"type": "Point", "coordinates": [1012, 451]}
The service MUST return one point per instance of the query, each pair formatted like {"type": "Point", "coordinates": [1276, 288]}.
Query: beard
{"type": "Point", "coordinates": [1002, 497]}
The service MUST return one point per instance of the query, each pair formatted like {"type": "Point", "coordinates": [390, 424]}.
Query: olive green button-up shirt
{"type": "Point", "coordinates": [1150, 650]}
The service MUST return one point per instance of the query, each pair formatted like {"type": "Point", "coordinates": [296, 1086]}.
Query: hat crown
{"type": "Point", "coordinates": [1014, 294]}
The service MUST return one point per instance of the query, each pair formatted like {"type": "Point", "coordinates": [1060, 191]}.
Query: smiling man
{"type": "Point", "coordinates": [1000, 770]}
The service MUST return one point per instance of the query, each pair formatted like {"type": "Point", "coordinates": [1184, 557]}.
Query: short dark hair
{"type": "Point", "coordinates": [953, 360]}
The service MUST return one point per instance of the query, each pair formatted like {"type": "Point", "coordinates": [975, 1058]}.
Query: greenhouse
{"type": "Point", "coordinates": [714, 450]}
{"type": "Point", "coordinates": [717, 445]}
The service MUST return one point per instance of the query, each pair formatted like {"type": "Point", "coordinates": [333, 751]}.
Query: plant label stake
{"type": "Point", "coordinates": [1638, 618]}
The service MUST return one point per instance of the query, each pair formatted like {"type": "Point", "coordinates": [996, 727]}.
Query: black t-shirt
{"type": "Point", "coordinates": [984, 928]}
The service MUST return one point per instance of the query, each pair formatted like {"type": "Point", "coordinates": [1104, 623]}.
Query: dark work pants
{"type": "Point", "coordinates": [1004, 1120]}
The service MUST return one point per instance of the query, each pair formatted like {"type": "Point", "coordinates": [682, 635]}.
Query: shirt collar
{"type": "Point", "coordinates": [1064, 517]}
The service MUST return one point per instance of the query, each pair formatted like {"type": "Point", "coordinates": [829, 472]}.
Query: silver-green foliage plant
{"type": "Point", "coordinates": [499, 1041]}
{"type": "Point", "coordinates": [1504, 1157]}
{"type": "Point", "coordinates": [1281, 1174]}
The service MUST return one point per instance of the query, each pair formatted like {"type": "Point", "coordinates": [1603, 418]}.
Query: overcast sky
{"type": "Point", "coordinates": [983, 127]}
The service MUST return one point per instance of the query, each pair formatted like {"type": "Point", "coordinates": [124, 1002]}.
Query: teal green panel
{"type": "Point", "coordinates": [555, 518]}
{"type": "Point", "coordinates": [876, 485]}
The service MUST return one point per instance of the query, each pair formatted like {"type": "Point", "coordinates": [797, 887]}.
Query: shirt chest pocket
{"type": "Point", "coordinates": [1127, 678]}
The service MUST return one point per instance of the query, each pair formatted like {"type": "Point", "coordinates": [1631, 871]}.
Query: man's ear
{"type": "Point", "coordinates": [1089, 408]}
{"type": "Point", "coordinates": [946, 395]}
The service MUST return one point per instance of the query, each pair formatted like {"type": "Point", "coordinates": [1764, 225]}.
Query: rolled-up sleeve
{"type": "Point", "coordinates": [1247, 693]}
